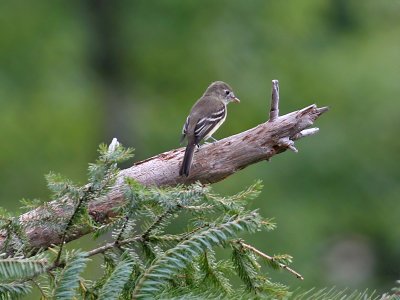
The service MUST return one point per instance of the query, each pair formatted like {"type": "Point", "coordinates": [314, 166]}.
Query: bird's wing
{"type": "Point", "coordinates": [206, 124]}
{"type": "Point", "coordinates": [185, 128]}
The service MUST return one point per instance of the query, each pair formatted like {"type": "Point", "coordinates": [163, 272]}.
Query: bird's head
{"type": "Point", "coordinates": [222, 91]}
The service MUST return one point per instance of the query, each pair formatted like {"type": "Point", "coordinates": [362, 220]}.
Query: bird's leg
{"type": "Point", "coordinates": [210, 137]}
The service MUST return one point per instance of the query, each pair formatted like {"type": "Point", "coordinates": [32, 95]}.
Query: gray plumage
{"type": "Point", "coordinates": [205, 117]}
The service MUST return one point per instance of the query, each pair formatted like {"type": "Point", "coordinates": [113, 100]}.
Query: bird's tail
{"type": "Point", "coordinates": [187, 160]}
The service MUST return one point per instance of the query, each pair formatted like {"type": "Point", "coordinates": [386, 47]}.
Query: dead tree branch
{"type": "Point", "coordinates": [212, 163]}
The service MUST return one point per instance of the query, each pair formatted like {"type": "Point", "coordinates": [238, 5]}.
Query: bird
{"type": "Point", "coordinates": [205, 117]}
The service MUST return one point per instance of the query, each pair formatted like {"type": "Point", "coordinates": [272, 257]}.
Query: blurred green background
{"type": "Point", "coordinates": [74, 74]}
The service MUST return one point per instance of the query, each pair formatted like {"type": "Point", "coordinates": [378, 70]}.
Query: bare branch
{"type": "Point", "coordinates": [306, 132]}
{"type": "Point", "coordinates": [274, 111]}
{"type": "Point", "coordinates": [212, 163]}
{"type": "Point", "coordinates": [270, 258]}
{"type": "Point", "coordinates": [288, 143]}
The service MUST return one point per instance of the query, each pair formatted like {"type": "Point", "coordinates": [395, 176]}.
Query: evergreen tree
{"type": "Point", "coordinates": [145, 259]}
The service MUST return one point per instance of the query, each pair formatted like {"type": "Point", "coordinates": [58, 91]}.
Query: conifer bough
{"type": "Point", "coordinates": [212, 163]}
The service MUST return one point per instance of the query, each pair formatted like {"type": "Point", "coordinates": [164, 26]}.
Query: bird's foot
{"type": "Point", "coordinates": [213, 140]}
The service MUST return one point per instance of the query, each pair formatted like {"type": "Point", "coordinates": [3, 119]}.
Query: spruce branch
{"type": "Point", "coordinates": [246, 267]}
{"type": "Point", "coordinates": [213, 274]}
{"type": "Point", "coordinates": [114, 284]}
{"type": "Point", "coordinates": [156, 223]}
{"type": "Point", "coordinates": [335, 294]}
{"type": "Point", "coordinates": [122, 230]}
{"type": "Point", "coordinates": [112, 245]}
{"type": "Point", "coordinates": [164, 267]}
{"type": "Point", "coordinates": [270, 259]}
{"type": "Point", "coordinates": [13, 290]}
{"type": "Point", "coordinates": [141, 238]}
{"type": "Point", "coordinates": [81, 200]}
{"type": "Point", "coordinates": [68, 278]}
{"type": "Point", "coordinates": [186, 267]}
{"type": "Point", "coordinates": [22, 268]}
{"type": "Point", "coordinates": [37, 285]}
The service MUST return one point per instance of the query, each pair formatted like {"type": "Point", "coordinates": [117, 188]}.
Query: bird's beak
{"type": "Point", "coordinates": [235, 99]}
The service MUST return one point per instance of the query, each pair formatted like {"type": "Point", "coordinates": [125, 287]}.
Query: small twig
{"type": "Point", "coordinates": [142, 237]}
{"type": "Point", "coordinates": [305, 132]}
{"type": "Point", "coordinates": [121, 232]}
{"type": "Point", "coordinates": [81, 199]}
{"type": "Point", "coordinates": [64, 236]}
{"type": "Point", "coordinates": [111, 245]}
{"type": "Point", "coordinates": [119, 243]}
{"type": "Point", "coordinates": [274, 111]}
{"type": "Point", "coordinates": [270, 258]}
{"type": "Point", "coordinates": [288, 143]}
{"type": "Point", "coordinates": [185, 235]}
{"type": "Point", "coordinates": [157, 222]}
{"type": "Point", "coordinates": [44, 296]}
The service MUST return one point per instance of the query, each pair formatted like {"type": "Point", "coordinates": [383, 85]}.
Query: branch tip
{"type": "Point", "coordinates": [114, 144]}
{"type": "Point", "coordinates": [322, 110]}
{"type": "Point", "coordinates": [293, 148]}
{"type": "Point", "coordinates": [274, 111]}
{"type": "Point", "coordinates": [305, 132]}
{"type": "Point", "coordinates": [308, 109]}
{"type": "Point", "coordinates": [288, 143]}
{"type": "Point", "coordinates": [270, 258]}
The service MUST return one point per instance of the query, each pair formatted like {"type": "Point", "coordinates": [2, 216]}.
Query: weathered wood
{"type": "Point", "coordinates": [274, 111]}
{"type": "Point", "coordinates": [212, 163]}
{"type": "Point", "coordinates": [216, 161]}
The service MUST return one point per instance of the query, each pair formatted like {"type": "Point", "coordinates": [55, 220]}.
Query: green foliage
{"type": "Point", "coordinates": [236, 203]}
{"type": "Point", "coordinates": [102, 174]}
{"type": "Point", "coordinates": [334, 294]}
{"type": "Point", "coordinates": [247, 267]}
{"type": "Point", "coordinates": [215, 272]}
{"type": "Point", "coordinates": [173, 261]}
{"type": "Point", "coordinates": [61, 186]}
{"type": "Point", "coordinates": [13, 290]}
{"type": "Point", "coordinates": [67, 279]}
{"type": "Point", "coordinates": [148, 257]}
{"type": "Point", "coordinates": [17, 267]}
{"type": "Point", "coordinates": [29, 204]}
{"type": "Point", "coordinates": [17, 272]}
{"type": "Point", "coordinates": [116, 281]}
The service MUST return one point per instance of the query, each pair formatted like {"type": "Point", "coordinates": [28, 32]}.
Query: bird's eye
{"type": "Point", "coordinates": [227, 92]}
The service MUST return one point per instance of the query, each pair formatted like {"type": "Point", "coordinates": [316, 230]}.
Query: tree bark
{"type": "Point", "coordinates": [212, 163]}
